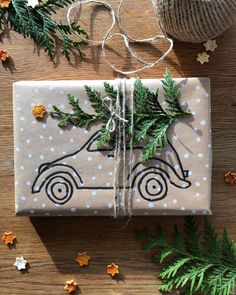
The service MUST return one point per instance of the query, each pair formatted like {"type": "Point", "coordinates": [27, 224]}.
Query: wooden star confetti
{"type": "Point", "coordinates": [32, 3]}
{"type": "Point", "coordinates": [8, 238]}
{"type": "Point", "coordinates": [71, 286]}
{"type": "Point", "coordinates": [230, 177]}
{"type": "Point", "coordinates": [83, 259]}
{"type": "Point", "coordinates": [112, 269]}
{"type": "Point", "coordinates": [20, 263]}
{"type": "Point", "coordinates": [203, 57]}
{"type": "Point", "coordinates": [38, 111]}
{"type": "Point", "coordinates": [4, 55]}
{"type": "Point", "coordinates": [210, 45]}
{"type": "Point", "coordinates": [5, 3]}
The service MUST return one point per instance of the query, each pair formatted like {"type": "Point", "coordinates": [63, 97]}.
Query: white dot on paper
{"type": "Point", "coordinates": [197, 183]}
{"type": "Point", "coordinates": [186, 155]}
{"type": "Point", "coordinates": [203, 122]}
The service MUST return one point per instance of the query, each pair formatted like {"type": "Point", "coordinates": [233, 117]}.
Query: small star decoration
{"type": "Point", "coordinates": [71, 286]}
{"type": "Point", "coordinates": [20, 263]}
{"type": "Point", "coordinates": [112, 269]}
{"type": "Point", "coordinates": [203, 57]}
{"type": "Point", "coordinates": [4, 55]}
{"type": "Point", "coordinates": [230, 177]}
{"type": "Point", "coordinates": [32, 3]}
{"type": "Point", "coordinates": [38, 111]}
{"type": "Point", "coordinates": [8, 238]}
{"type": "Point", "coordinates": [210, 45]}
{"type": "Point", "coordinates": [5, 3]}
{"type": "Point", "coordinates": [83, 259]}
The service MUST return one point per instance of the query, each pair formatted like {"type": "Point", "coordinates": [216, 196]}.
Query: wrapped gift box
{"type": "Point", "coordinates": [46, 154]}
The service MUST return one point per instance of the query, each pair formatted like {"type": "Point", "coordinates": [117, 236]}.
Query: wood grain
{"type": "Point", "coordinates": [51, 244]}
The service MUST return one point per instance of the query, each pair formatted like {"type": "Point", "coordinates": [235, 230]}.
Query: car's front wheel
{"type": "Point", "coordinates": [59, 189]}
{"type": "Point", "coordinates": [152, 185]}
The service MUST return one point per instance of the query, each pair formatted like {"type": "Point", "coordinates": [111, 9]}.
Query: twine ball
{"type": "Point", "coordinates": [196, 20]}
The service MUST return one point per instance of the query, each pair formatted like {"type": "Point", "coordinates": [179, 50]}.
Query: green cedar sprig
{"type": "Point", "coordinates": [38, 24]}
{"type": "Point", "coordinates": [79, 118]}
{"type": "Point", "coordinates": [151, 120]}
{"type": "Point", "coordinates": [195, 263]}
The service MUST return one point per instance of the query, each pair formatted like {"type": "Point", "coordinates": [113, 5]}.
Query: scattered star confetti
{"type": "Point", "coordinates": [112, 269]}
{"type": "Point", "coordinates": [230, 177]}
{"type": "Point", "coordinates": [8, 238]}
{"type": "Point", "coordinates": [32, 3]}
{"type": "Point", "coordinates": [71, 286]}
{"type": "Point", "coordinates": [5, 3]}
{"type": "Point", "coordinates": [210, 45]}
{"type": "Point", "coordinates": [203, 57]}
{"type": "Point", "coordinates": [4, 55]}
{"type": "Point", "coordinates": [38, 111]}
{"type": "Point", "coordinates": [83, 259]}
{"type": "Point", "coordinates": [20, 263]}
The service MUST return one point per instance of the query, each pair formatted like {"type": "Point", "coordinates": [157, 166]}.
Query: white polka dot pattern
{"type": "Point", "coordinates": [40, 142]}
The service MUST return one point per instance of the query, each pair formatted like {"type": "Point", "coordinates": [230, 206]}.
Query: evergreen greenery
{"type": "Point", "coordinates": [151, 119]}
{"type": "Point", "coordinates": [195, 263]}
{"type": "Point", "coordinates": [38, 24]}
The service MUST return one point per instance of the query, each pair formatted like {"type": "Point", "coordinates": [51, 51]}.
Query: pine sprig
{"type": "Point", "coordinates": [150, 121]}
{"type": "Point", "coordinates": [195, 263]}
{"type": "Point", "coordinates": [78, 117]}
{"type": "Point", "coordinates": [38, 24]}
{"type": "Point", "coordinates": [172, 95]}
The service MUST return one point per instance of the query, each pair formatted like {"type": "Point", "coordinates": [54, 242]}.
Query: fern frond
{"type": "Point", "coordinates": [141, 97]}
{"type": "Point", "coordinates": [38, 24]}
{"type": "Point", "coordinates": [104, 137]}
{"type": "Point", "coordinates": [158, 139]}
{"type": "Point", "coordinates": [96, 102]}
{"type": "Point", "coordinates": [172, 94]}
{"type": "Point", "coordinates": [210, 270]}
{"type": "Point", "coordinates": [150, 120]}
{"type": "Point", "coordinates": [78, 117]}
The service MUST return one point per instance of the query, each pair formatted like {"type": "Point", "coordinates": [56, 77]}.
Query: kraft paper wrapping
{"type": "Point", "coordinates": [83, 177]}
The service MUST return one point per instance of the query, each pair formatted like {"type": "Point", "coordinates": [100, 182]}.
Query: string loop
{"type": "Point", "coordinates": [126, 38]}
{"type": "Point", "coordinates": [111, 124]}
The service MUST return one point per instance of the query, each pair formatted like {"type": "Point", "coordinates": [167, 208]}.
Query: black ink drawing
{"type": "Point", "coordinates": [61, 177]}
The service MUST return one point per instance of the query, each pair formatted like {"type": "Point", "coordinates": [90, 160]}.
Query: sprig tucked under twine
{"type": "Point", "coordinates": [143, 121]}
{"type": "Point", "coordinates": [126, 38]}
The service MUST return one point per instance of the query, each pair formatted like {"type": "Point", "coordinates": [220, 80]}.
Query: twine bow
{"type": "Point", "coordinates": [111, 124]}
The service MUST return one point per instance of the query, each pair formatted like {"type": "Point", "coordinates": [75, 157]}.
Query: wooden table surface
{"type": "Point", "coordinates": [51, 244]}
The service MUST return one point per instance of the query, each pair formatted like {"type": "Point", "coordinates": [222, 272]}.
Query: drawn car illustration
{"type": "Point", "coordinates": [61, 177]}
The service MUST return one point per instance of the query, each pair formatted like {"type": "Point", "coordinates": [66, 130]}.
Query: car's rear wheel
{"type": "Point", "coordinates": [59, 189]}
{"type": "Point", "coordinates": [152, 185]}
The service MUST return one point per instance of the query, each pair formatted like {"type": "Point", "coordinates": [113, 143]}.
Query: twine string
{"type": "Point", "coordinates": [111, 124]}
{"type": "Point", "coordinates": [126, 38]}
{"type": "Point", "coordinates": [122, 200]}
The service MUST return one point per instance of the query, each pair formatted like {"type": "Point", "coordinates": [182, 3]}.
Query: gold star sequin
{"type": "Point", "coordinates": [203, 57]}
{"type": "Point", "coordinates": [210, 45]}
{"type": "Point", "coordinates": [71, 286]}
{"type": "Point", "coordinates": [8, 238]}
{"type": "Point", "coordinates": [230, 177]}
{"type": "Point", "coordinates": [38, 111]}
{"type": "Point", "coordinates": [113, 269]}
{"type": "Point", "coordinates": [4, 55]}
{"type": "Point", "coordinates": [5, 3]}
{"type": "Point", "coordinates": [83, 259]}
